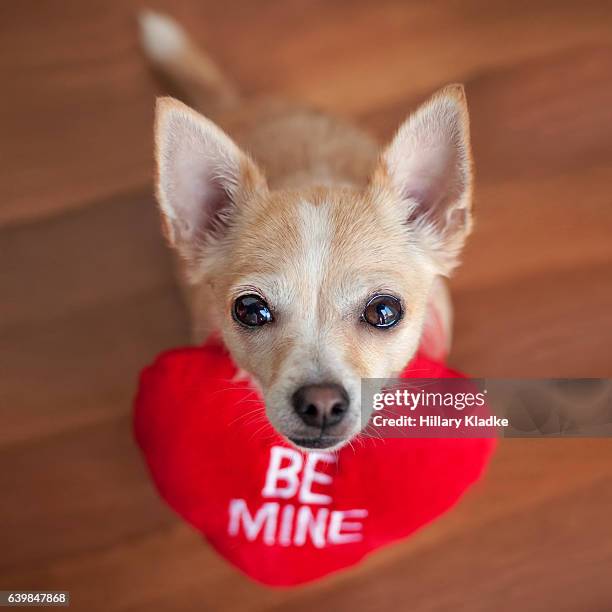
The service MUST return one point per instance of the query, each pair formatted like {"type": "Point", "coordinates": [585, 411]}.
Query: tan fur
{"type": "Point", "coordinates": [330, 225]}
{"type": "Point", "coordinates": [298, 147]}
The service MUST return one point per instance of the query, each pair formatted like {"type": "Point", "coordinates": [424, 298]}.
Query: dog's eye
{"type": "Point", "coordinates": [382, 311]}
{"type": "Point", "coordinates": [251, 310]}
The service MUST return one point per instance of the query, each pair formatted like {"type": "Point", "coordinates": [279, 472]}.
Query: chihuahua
{"type": "Point", "coordinates": [317, 257]}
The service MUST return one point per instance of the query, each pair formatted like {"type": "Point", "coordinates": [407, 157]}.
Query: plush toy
{"type": "Point", "coordinates": [282, 516]}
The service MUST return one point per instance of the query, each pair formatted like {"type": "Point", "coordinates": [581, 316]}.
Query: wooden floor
{"type": "Point", "coordinates": [88, 296]}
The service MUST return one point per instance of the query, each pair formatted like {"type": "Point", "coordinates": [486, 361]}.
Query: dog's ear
{"type": "Point", "coordinates": [428, 166]}
{"type": "Point", "coordinates": [202, 176]}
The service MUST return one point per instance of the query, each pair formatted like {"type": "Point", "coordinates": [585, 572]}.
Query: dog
{"type": "Point", "coordinates": [317, 257]}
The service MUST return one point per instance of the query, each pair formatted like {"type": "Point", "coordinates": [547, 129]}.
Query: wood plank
{"type": "Point", "coordinates": [91, 298]}
{"type": "Point", "coordinates": [88, 294]}
{"type": "Point", "coordinates": [79, 109]}
{"type": "Point", "coordinates": [78, 112]}
{"type": "Point", "coordinates": [501, 562]}
{"type": "Point", "coordinates": [164, 561]}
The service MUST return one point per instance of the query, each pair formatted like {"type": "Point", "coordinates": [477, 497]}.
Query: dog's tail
{"type": "Point", "coordinates": [188, 70]}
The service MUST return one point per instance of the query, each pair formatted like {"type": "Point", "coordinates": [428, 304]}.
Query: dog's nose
{"type": "Point", "coordinates": [321, 405]}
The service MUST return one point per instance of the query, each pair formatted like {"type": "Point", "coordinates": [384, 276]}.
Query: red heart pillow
{"type": "Point", "coordinates": [282, 516]}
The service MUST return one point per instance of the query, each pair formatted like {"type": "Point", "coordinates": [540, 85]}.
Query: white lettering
{"type": "Point", "coordinates": [266, 519]}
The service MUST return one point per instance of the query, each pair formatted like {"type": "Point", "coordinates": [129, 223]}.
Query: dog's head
{"type": "Point", "coordinates": [313, 290]}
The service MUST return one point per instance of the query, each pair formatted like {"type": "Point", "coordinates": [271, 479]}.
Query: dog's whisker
{"type": "Point", "coordinates": [244, 415]}
{"type": "Point", "coordinates": [266, 424]}
{"type": "Point", "coordinates": [258, 418]}
{"type": "Point", "coordinates": [376, 433]}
